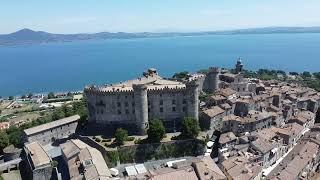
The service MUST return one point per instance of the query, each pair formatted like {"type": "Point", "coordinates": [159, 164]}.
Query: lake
{"type": "Point", "coordinates": [72, 65]}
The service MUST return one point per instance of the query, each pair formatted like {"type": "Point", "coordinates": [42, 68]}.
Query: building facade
{"type": "Point", "coordinates": [48, 133]}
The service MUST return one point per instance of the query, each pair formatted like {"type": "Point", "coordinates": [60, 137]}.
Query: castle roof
{"type": "Point", "coordinates": [152, 82]}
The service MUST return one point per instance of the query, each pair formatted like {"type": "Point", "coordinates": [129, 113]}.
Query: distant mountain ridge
{"type": "Point", "coordinates": [27, 36]}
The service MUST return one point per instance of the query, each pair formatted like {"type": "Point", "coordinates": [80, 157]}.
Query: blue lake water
{"type": "Point", "coordinates": [72, 65]}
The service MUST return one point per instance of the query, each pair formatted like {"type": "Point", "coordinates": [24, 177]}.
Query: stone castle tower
{"type": "Point", "coordinates": [213, 79]}
{"type": "Point", "coordinates": [193, 92]}
{"type": "Point", "coordinates": [141, 107]}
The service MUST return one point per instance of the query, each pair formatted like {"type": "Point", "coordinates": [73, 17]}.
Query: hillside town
{"type": "Point", "coordinates": [216, 125]}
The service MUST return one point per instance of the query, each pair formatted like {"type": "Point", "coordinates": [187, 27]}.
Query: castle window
{"type": "Point", "coordinates": [161, 102]}
{"type": "Point", "coordinates": [119, 111]}
{"type": "Point", "coordinates": [126, 97]}
{"type": "Point", "coordinates": [184, 109]}
{"type": "Point", "coordinates": [184, 101]}
{"type": "Point", "coordinates": [133, 111]}
{"type": "Point", "coordinates": [118, 97]}
{"type": "Point", "coordinates": [173, 109]}
{"type": "Point", "coordinates": [126, 104]}
{"type": "Point", "coordinates": [132, 104]}
{"type": "Point", "coordinates": [127, 111]}
{"type": "Point", "coordinates": [161, 109]}
{"type": "Point", "coordinates": [238, 89]}
{"type": "Point", "coordinates": [148, 103]}
{"type": "Point", "coordinates": [148, 109]}
{"type": "Point", "coordinates": [160, 95]}
{"type": "Point", "coordinates": [119, 104]}
{"type": "Point", "coordinates": [173, 101]}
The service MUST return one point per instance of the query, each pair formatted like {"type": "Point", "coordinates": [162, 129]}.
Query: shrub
{"type": "Point", "coordinates": [121, 135]}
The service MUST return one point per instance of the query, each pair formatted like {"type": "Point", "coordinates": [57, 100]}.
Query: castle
{"type": "Point", "coordinates": [137, 101]}
{"type": "Point", "coordinates": [134, 102]}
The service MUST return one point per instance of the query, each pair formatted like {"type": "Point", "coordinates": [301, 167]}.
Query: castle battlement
{"type": "Point", "coordinates": [214, 70]}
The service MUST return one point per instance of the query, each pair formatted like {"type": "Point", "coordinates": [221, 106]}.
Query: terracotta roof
{"type": "Point", "coordinates": [214, 111]}
{"type": "Point", "coordinates": [227, 137]}
{"type": "Point", "coordinates": [38, 155]}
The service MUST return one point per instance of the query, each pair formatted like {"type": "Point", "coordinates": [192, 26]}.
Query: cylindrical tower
{"type": "Point", "coordinates": [193, 101]}
{"type": "Point", "coordinates": [141, 107]}
{"type": "Point", "coordinates": [213, 79]}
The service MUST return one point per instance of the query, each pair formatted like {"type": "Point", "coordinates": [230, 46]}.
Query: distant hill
{"type": "Point", "coordinates": [27, 36]}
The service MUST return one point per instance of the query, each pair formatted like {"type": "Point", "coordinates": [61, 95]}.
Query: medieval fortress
{"type": "Point", "coordinates": [137, 101]}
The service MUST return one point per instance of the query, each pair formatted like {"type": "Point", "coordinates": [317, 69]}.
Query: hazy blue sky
{"type": "Point", "coordinates": [70, 16]}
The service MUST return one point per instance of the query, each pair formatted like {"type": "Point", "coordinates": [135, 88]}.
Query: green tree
{"type": "Point", "coordinates": [306, 74]}
{"type": "Point", "coordinates": [68, 110]}
{"type": "Point", "coordinates": [156, 131]}
{"type": "Point", "coordinates": [11, 98]}
{"type": "Point", "coordinates": [190, 128]}
{"type": "Point", "coordinates": [317, 75]}
{"type": "Point", "coordinates": [121, 135]}
{"type": "Point", "coordinates": [14, 135]}
{"type": "Point", "coordinates": [0, 111]}
{"type": "Point", "coordinates": [4, 140]}
{"type": "Point", "coordinates": [51, 95]}
{"type": "Point", "coordinates": [293, 73]}
{"type": "Point", "coordinates": [58, 113]}
{"type": "Point", "coordinates": [181, 75]}
{"type": "Point", "coordinates": [23, 96]}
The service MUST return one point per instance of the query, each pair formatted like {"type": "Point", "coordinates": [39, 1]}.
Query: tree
{"type": "Point", "coordinates": [317, 75]}
{"type": "Point", "coordinates": [68, 110]}
{"type": "Point", "coordinates": [181, 75]}
{"type": "Point", "coordinates": [4, 140]}
{"type": "Point", "coordinates": [51, 95]}
{"type": "Point", "coordinates": [293, 73]}
{"type": "Point", "coordinates": [14, 135]}
{"type": "Point", "coordinates": [23, 96]}
{"type": "Point", "coordinates": [0, 111]}
{"type": "Point", "coordinates": [190, 128]}
{"type": "Point", "coordinates": [156, 131]}
{"type": "Point", "coordinates": [58, 114]}
{"type": "Point", "coordinates": [121, 135]}
{"type": "Point", "coordinates": [306, 74]}
{"type": "Point", "coordinates": [11, 98]}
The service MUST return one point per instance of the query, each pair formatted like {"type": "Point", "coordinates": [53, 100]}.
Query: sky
{"type": "Point", "coordinates": [88, 16]}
